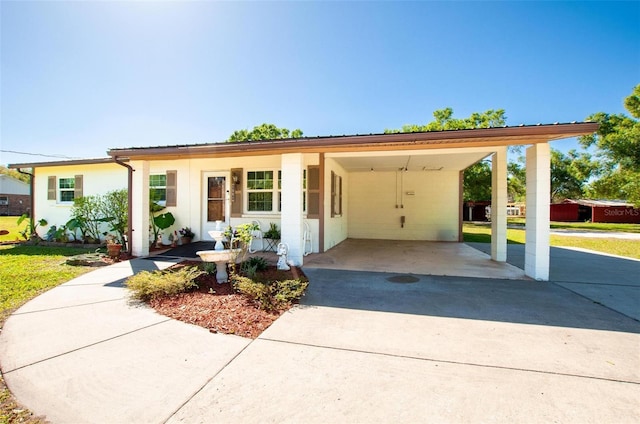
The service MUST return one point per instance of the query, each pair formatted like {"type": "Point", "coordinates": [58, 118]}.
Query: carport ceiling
{"type": "Point", "coordinates": [412, 162]}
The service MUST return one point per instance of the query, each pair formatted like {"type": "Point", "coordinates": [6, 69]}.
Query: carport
{"type": "Point", "coordinates": [408, 187]}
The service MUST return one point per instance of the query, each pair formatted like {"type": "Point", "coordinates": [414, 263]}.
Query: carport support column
{"type": "Point", "coordinates": [536, 252]}
{"type": "Point", "coordinates": [291, 215]}
{"type": "Point", "coordinates": [499, 205]}
{"type": "Point", "coordinates": [140, 213]}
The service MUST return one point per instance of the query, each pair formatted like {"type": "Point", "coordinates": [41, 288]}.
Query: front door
{"type": "Point", "coordinates": [215, 205]}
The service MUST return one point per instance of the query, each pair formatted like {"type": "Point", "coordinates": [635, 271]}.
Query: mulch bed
{"type": "Point", "coordinates": [219, 308]}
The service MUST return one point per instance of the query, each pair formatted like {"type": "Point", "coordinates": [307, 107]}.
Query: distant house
{"type": "Point", "coordinates": [14, 196]}
{"type": "Point", "coordinates": [405, 186]}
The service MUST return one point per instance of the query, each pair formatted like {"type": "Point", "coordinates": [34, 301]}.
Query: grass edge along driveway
{"type": "Point", "coordinates": [481, 233]}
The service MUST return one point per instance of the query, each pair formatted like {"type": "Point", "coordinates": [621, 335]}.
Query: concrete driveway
{"type": "Point", "coordinates": [362, 347]}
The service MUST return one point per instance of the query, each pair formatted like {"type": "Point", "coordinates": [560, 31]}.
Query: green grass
{"type": "Point", "coordinates": [27, 271]}
{"type": "Point", "coordinates": [9, 223]}
{"type": "Point", "coordinates": [589, 226]}
{"type": "Point", "coordinates": [620, 247]}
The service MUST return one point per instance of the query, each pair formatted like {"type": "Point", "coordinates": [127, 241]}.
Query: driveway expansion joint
{"type": "Point", "coordinates": [209, 380]}
{"type": "Point", "coordinates": [69, 306]}
{"type": "Point", "coordinates": [5, 372]}
{"type": "Point", "coordinates": [471, 364]}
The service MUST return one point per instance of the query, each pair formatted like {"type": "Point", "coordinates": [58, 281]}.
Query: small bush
{"type": "Point", "coordinates": [258, 262]}
{"type": "Point", "coordinates": [149, 285]}
{"type": "Point", "coordinates": [273, 295]}
{"type": "Point", "coordinates": [210, 268]}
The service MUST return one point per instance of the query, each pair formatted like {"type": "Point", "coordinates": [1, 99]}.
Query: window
{"type": "Point", "coordinates": [4, 200]}
{"type": "Point", "coordinates": [67, 188]}
{"type": "Point", "coordinates": [260, 191]}
{"type": "Point", "coordinates": [336, 195]}
{"type": "Point", "coordinates": [158, 188]}
{"type": "Point", "coordinates": [64, 189]}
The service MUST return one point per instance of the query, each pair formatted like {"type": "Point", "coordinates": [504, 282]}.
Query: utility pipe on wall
{"type": "Point", "coordinates": [130, 171]}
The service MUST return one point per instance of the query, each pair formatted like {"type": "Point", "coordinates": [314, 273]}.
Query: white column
{"type": "Point", "coordinates": [291, 216]}
{"type": "Point", "coordinates": [499, 205]}
{"type": "Point", "coordinates": [140, 212]}
{"type": "Point", "coordinates": [536, 258]}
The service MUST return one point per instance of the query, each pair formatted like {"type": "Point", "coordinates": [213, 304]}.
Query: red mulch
{"type": "Point", "coordinates": [219, 308]}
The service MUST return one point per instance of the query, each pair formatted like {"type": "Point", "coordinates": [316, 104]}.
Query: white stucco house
{"type": "Point", "coordinates": [405, 186]}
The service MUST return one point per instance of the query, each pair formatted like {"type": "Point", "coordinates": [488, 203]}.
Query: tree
{"type": "Point", "coordinates": [569, 174]}
{"type": "Point", "coordinates": [264, 132]}
{"type": "Point", "coordinates": [14, 174]}
{"type": "Point", "coordinates": [477, 177]}
{"type": "Point", "coordinates": [516, 181]}
{"type": "Point", "coordinates": [477, 182]}
{"type": "Point", "coordinates": [444, 120]}
{"type": "Point", "coordinates": [617, 144]}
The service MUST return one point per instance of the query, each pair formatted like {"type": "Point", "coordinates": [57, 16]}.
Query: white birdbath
{"type": "Point", "coordinates": [221, 258]}
{"type": "Point", "coordinates": [218, 236]}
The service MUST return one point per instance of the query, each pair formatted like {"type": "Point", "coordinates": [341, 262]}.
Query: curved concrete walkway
{"type": "Point", "coordinates": [360, 348]}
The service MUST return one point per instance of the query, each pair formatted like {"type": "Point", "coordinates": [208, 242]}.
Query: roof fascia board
{"type": "Point", "coordinates": [426, 140]}
{"type": "Point", "coordinates": [62, 163]}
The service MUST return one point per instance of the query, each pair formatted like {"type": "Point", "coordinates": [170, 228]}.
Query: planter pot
{"type": "Point", "coordinates": [113, 250]}
{"type": "Point", "coordinates": [185, 240]}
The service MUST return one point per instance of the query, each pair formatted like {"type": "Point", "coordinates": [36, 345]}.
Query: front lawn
{"type": "Point", "coordinates": [27, 271]}
{"type": "Point", "coordinates": [9, 223]}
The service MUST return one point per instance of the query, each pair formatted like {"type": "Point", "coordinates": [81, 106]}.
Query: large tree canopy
{"type": "Point", "coordinates": [444, 120]}
{"type": "Point", "coordinates": [264, 132]}
{"type": "Point", "coordinates": [477, 178]}
{"type": "Point", "coordinates": [617, 144]}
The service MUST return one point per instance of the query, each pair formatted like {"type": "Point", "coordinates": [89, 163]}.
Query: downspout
{"type": "Point", "coordinates": [31, 196]}
{"type": "Point", "coordinates": [130, 171]}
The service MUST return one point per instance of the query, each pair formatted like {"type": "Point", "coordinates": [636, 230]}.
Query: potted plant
{"type": "Point", "coordinates": [273, 232]}
{"type": "Point", "coordinates": [114, 247]}
{"type": "Point", "coordinates": [186, 235]}
{"type": "Point", "coordinates": [272, 236]}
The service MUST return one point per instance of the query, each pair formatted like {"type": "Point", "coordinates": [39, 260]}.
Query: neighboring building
{"type": "Point", "coordinates": [612, 211]}
{"type": "Point", "coordinates": [405, 186]}
{"type": "Point", "coordinates": [14, 196]}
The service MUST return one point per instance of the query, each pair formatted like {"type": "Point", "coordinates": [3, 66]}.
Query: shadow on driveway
{"type": "Point", "coordinates": [514, 301]}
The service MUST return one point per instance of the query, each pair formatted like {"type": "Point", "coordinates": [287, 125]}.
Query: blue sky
{"type": "Point", "coordinates": [79, 78]}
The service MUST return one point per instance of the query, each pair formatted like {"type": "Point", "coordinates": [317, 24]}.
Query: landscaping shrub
{"type": "Point", "coordinates": [258, 262]}
{"type": "Point", "coordinates": [270, 295]}
{"type": "Point", "coordinates": [149, 285]}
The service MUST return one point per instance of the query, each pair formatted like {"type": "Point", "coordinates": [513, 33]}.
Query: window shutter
{"type": "Point", "coordinates": [333, 194]}
{"type": "Point", "coordinates": [236, 192]}
{"type": "Point", "coordinates": [172, 188]}
{"type": "Point", "coordinates": [51, 188]}
{"type": "Point", "coordinates": [77, 188]}
{"type": "Point", "coordinates": [313, 192]}
{"type": "Point", "coordinates": [339, 195]}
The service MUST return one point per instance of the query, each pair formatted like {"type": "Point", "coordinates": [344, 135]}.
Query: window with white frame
{"type": "Point", "coordinates": [158, 188]}
{"type": "Point", "coordinates": [66, 188]}
{"type": "Point", "coordinates": [260, 191]}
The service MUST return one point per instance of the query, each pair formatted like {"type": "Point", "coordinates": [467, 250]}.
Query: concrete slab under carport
{"type": "Point", "coordinates": [414, 257]}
